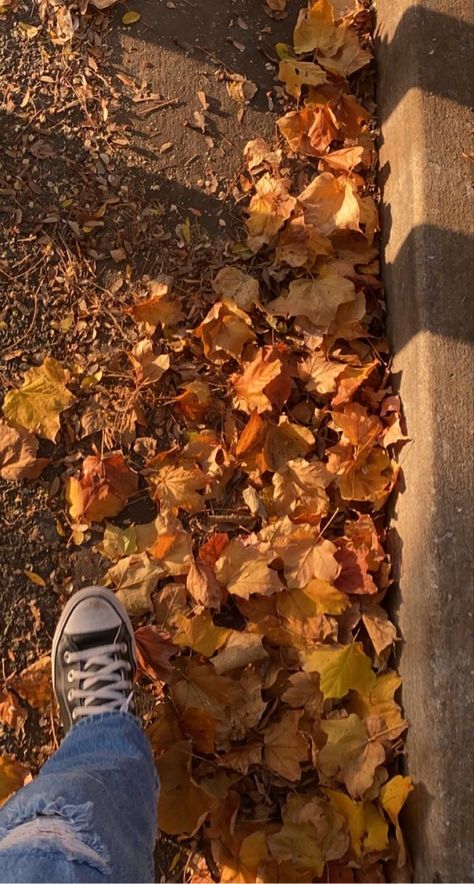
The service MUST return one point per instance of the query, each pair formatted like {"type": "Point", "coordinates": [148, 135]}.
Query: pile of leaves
{"type": "Point", "coordinates": [258, 421]}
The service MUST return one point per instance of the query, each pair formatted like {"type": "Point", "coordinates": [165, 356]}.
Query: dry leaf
{"type": "Point", "coordinates": [285, 747]}
{"type": "Point", "coordinates": [36, 406]}
{"type": "Point", "coordinates": [130, 17]}
{"type": "Point", "coordinates": [341, 669]}
{"type": "Point", "coordinates": [103, 489]}
{"type": "Point", "coordinates": [33, 684]}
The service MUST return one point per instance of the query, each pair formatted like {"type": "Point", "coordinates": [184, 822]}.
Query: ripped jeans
{"type": "Point", "coordinates": [90, 815]}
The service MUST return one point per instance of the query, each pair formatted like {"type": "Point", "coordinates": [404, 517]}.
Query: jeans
{"type": "Point", "coordinates": [90, 815]}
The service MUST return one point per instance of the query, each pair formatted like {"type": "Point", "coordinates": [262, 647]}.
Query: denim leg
{"type": "Point", "coordinates": [90, 815]}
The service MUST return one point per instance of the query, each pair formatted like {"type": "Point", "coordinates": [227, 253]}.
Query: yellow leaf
{"type": "Point", "coordinates": [299, 491]}
{"type": "Point", "coordinates": [315, 29]}
{"type": "Point", "coordinates": [35, 578]}
{"type": "Point", "coordinates": [341, 668]}
{"type": "Point", "coordinates": [296, 74]}
{"type": "Point", "coordinates": [200, 633]}
{"type": "Point", "coordinates": [29, 30]}
{"type": "Point", "coordinates": [129, 18]}
{"type": "Point", "coordinates": [103, 488]}
{"type": "Point", "coordinates": [368, 830]}
{"type": "Point", "coordinates": [12, 776]}
{"type": "Point", "coordinates": [37, 404]}
{"type": "Point", "coordinates": [379, 702]}
{"type": "Point", "coordinates": [348, 755]}
{"type": "Point", "coordinates": [315, 299]}
{"type": "Point", "coordinates": [269, 208]}
{"type": "Point", "coordinates": [298, 843]}
{"type": "Point", "coordinates": [392, 798]}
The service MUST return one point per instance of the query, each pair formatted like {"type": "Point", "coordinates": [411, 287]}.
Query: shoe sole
{"type": "Point", "coordinates": [87, 593]}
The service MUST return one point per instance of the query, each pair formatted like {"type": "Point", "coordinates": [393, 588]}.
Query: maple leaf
{"type": "Point", "coordinates": [341, 668]}
{"type": "Point", "coordinates": [171, 546]}
{"type": "Point", "coordinates": [263, 382]}
{"type": "Point", "coordinates": [159, 309]}
{"type": "Point", "coordinates": [199, 633]}
{"type": "Point", "coordinates": [314, 299]}
{"type": "Point", "coordinates": [392, 798]}
{"type": "Point", "coordinates": [303, 692]}
{"type": "Point", "coordinates": [285, 747]}
{"type": "Point", "coordinates": [320, 373]}
{"type": "Point", "coordinates": [299, 244]}
{"type": "Point", "coordinates": [195, 400]}
{"type": "Point", "coordinates": [246, 569]}
{"type": "Point", "coordinates": [118, 542]}
{"type": "Point", "coordinates": [154, 652]}
{"type": "Point", "coordinates": [18, 450]}
{"type": "Point", "coordinates": [359, 428]}
{"type": "Point", "coordinates": [297, 842]}
{"type": "Point", "coordinates": [316, 30]}
{"type": "Point", "coordinates": [178, 486]}
{"type": "Point", "coordinates": [233, 285]}
{"type": "Point", "coordinates": [349, 58]}
{"type": "Point", "coordinates": [202, 688]}
{"type": "Point", "coordinates": [368, 829]}
{"type": "Point", "coordinates": [345, 160]}
{"type": "Point", "coordinates": [329, 204]}
{"type": "Point", "coordinates": [318, 597]}
{"type": "Point", "coordinates": [258, 153]}
{"type": "Point", "coordinates": [269, 208]}
{"type": "Point", "coordinates": [36, 406]}
{"type": "Point", "coordinates": [12, 776]}
{"type": "Point", "coordinates": [377, 702]}
{"type": "Point", "coordinates": [224, 332]}
{"type": "Point", "coordinates": [134, 578]}
{"type": "Point", "coordinates": [382, 632]}
{"type": "Point", "coordinates": [305, 558]}
{"type": "Point", "coordinates": [348, 755]}
{"type": "Point", "coordinates": [148, 367]}
{"type": "Point", "coordinates": [370, 476]}
{"type": "Point", "coordinates": [354, 577]}
{"type": "Point", "coordinates": [296, 74]}
{"type": "Point", "coordinates": [240, 649]}
{"type": "Point", "coordinates": [183, 805]}
{"type": "Point", "coordinates": [103, 489]}
{"type": "Point", "coordinates": [310, 130]}
{"type": "Point", "coordinates": [242, 757]}
{"type": "Point", "coordinates": [300, 491]}
{"type": "Point", "coordinates": [203, 586]}
{"type": "Point", "coordinates": [33, 684]}
{"type": "Point", "coordinates": [213, 548]}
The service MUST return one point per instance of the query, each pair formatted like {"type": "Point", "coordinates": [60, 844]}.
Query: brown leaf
{"type": "Point", "coordinates": [33, 684]}
{"type": "Point", "coordinates": [224, 332]}
{"type": "Point", "coordinates": [285, 747]}
{"type": "Point", "coordinates": [12, 713]}
{"type": "Point", "coordinates": [269, 208]}
{"type": "Point", "coordinates": [154, 652]}
{"type": "Point", "coordinates": [263, 382]}
{"type": "Point", "coordinates": [246, 569]}
{"type": "Point", "coordinates": [203, 586]}
{"type": "Point", "coordinates": [329, 204]}
{"type": "Point", "coordinates": [18, 450]}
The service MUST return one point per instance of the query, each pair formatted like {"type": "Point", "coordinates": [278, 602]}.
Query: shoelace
{"type": "Point", "coordinates": [101, 682]}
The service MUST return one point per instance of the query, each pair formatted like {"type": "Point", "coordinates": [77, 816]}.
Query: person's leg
{"type": "Point", "coordinates": [91, 813]}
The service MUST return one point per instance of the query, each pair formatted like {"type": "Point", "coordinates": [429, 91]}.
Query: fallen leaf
{"type": "Point", "coordinates": [240, 649]}
{"type": "Point", "coordinates": [118, 542]}
{"type": "Point", "coordinates": [203, 586]}
{"type": "Point", "coordinates": [297, 74]}
{"type": "Point", "coordinates": [103, 489]}
{"type": "Point", "coordinates": [382, 632]}
{"type": "Point", "coordinates": [148, 367]}
{"type": "Point", "coordinates": [315, 299]}
{"type": "Point", "coordinates": [134, 578]}
{"type": "Point", "coordinates": [18, 450]}
{"type": "Point", "coordinates": [300, 491]}
{"type": "Point", "coordinates": [349, 58]}
{"type": "Point", "coordinates": [183, 805]}
{"type": "Point", "coordinates": [285, 747]}
{"type": "Point", "coordinates": [242, 289]}
{"type": "Point", "coordinates": [245, 570]}
{"type": "Point", "coordinates": [368, 830]}
{"type": "Point", "coordinates": [269, 208]}
{"type": "Point", "coordinates": [392, 798]}
{"type": "Point", "coordinates": [316, 30]}
{"type": "Point", "coordinates": [130, 17]}
{"type": "Point", "coordinates": [311, 130]}
{"type": "Point", "coordinates": [341, 669]}
{"type": "Point", "coordinates": [199, 633]}
{"type": "Point", "coordinates": [376, 702]}
{"type": "Point", "coordinates": [178, 486]}
{"type": "Point", "coordinates": [329, 204]}
{"type": "Point", "coordinates": [33, 684]}
{"type": "Point", "coordinates": [12, 776]}
{"type": "Point", "coordinates": [224, 332]}
{"type": "Point", "coordinates": [38, 403]}
{"type": "Point", "coordinates": [263, 380]}
{"type": "Point", "coordinates": [12, 713]}
{"type": "Point", "coordinates": [154, 653]}
{"type": "Point", "coordinates": [35, 578]}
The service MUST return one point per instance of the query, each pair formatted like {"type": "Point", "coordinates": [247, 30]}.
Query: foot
{"type": "Point", "coordinates": [93, 656]}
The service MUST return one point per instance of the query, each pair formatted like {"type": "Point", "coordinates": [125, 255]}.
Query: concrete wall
{"type": "Point", "coordinates": [425, 59]}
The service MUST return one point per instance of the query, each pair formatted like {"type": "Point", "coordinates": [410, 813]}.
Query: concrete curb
{"type": "Point", "coordinates": [425, 54]}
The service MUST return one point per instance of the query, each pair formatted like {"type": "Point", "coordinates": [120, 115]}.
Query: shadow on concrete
{"type": "Point", "coordinates": [442, 47]}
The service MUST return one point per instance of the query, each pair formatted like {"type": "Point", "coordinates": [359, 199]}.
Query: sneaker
{"type": "Point", "coordinates": [93, 656]}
